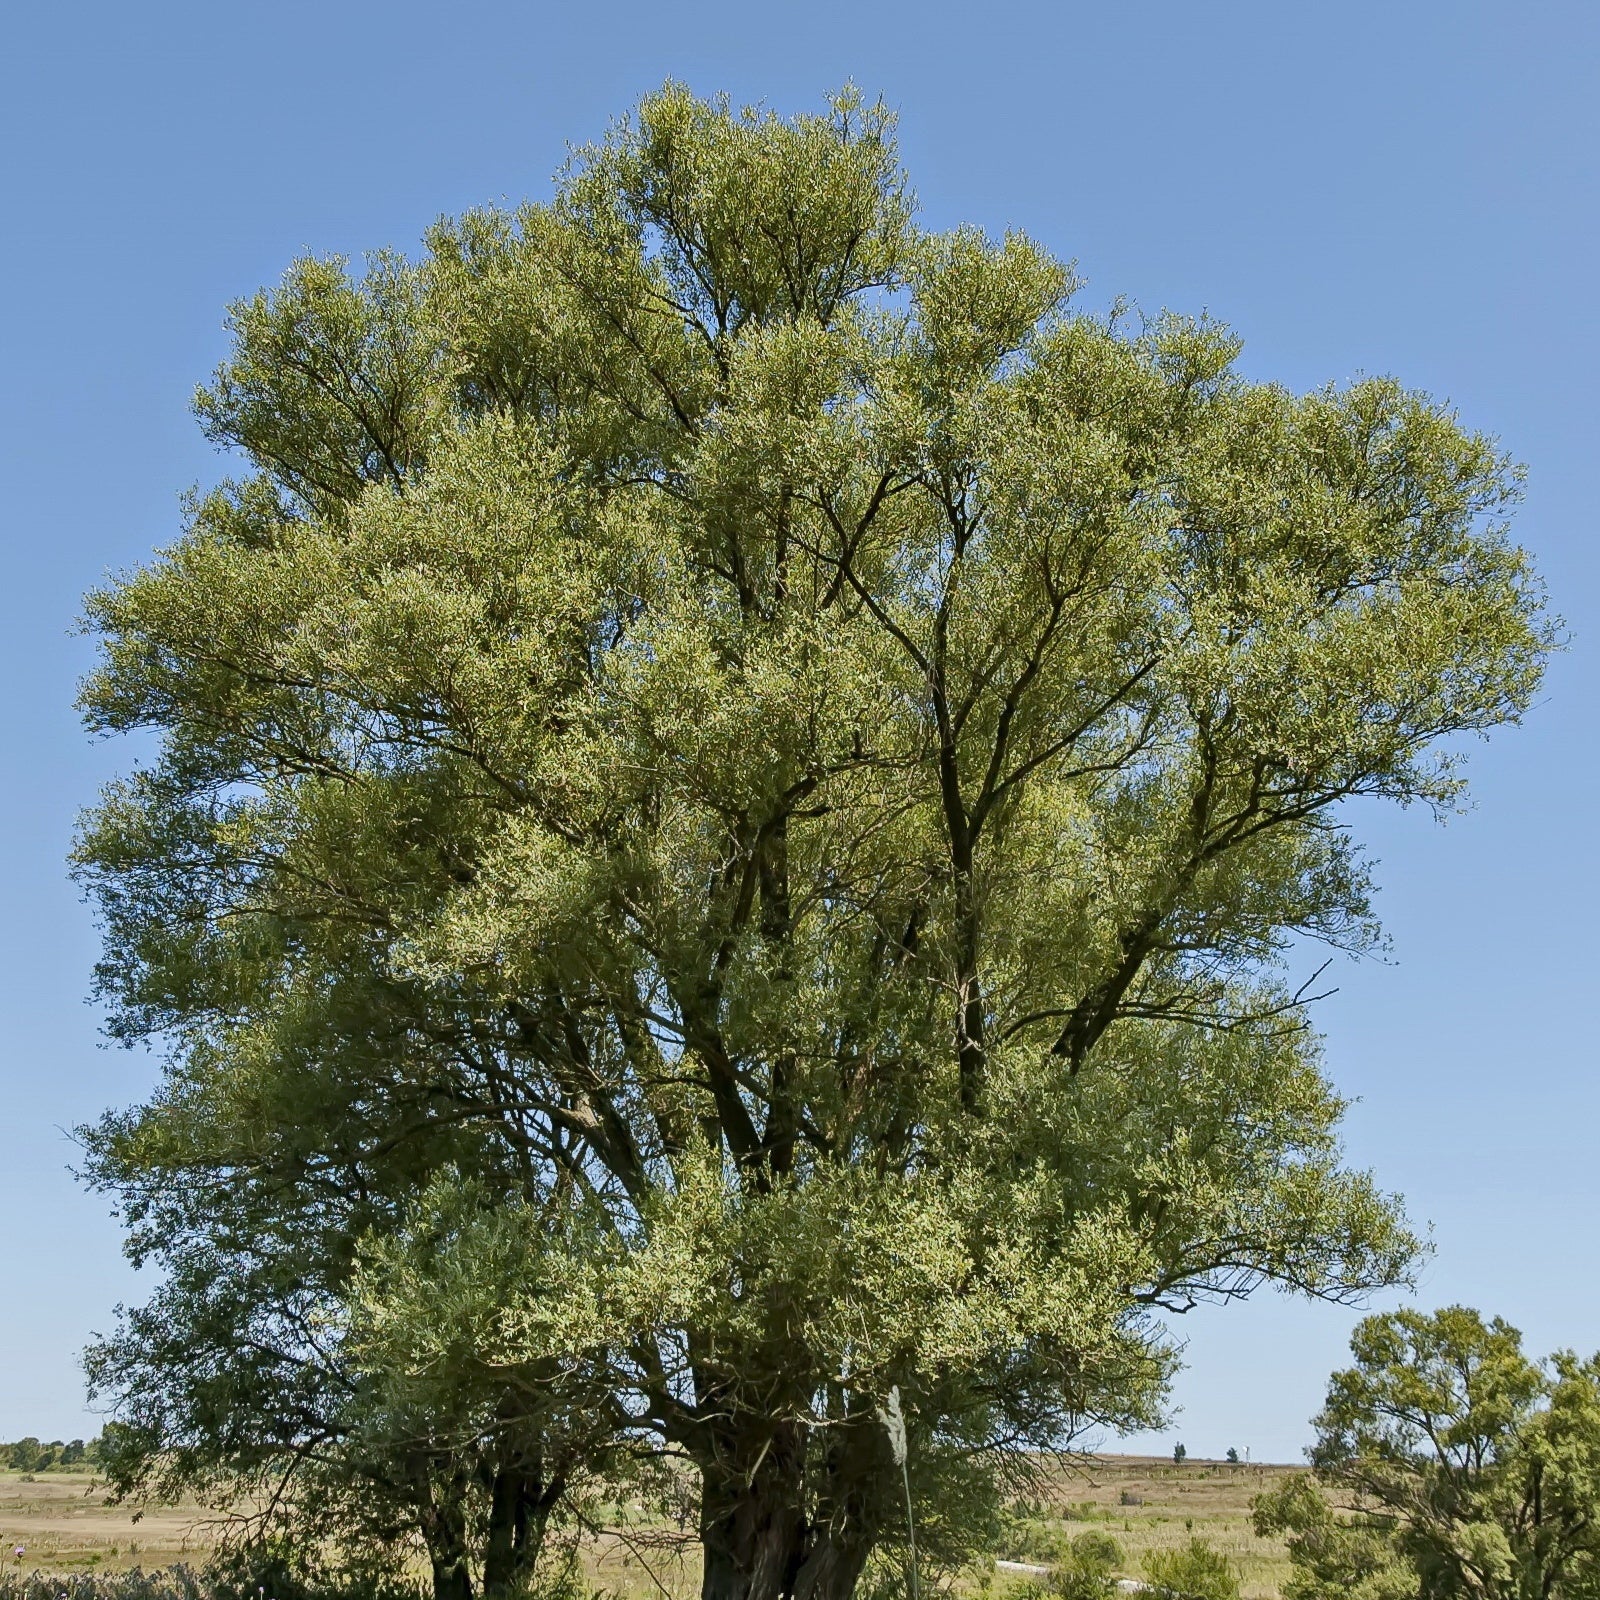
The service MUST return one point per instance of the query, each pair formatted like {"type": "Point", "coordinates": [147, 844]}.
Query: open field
{"type": "Point", "coordinates": [63, 1520]}
{"type": "Point", "coordinates": [1144, 1502]}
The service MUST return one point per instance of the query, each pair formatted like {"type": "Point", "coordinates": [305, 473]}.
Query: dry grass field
{"type": "Point", "coordinates": [62, 1520]}
{"type": "Point", "coordinates": [1145, 1503]}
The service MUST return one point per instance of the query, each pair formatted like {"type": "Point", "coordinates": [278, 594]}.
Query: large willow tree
{"type": "Point", "coordinates": [733, 787]}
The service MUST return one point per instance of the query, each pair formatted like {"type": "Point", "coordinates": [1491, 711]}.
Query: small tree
{"type": "Point", "coordinates": [1233, 1457]}
{"type": "Point", "coordinates": [1452, 1462]}
{"type": "Point", "coordinates": [1178, 1455]}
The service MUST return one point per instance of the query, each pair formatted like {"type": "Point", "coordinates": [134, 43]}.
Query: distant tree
{"type": "Point", "coordinates": [1233, 1457]}
{"type": "Point", "coordinates": [729, 791]}
{"type": "Point", "coordinates": [1450, 1463]}
{"type": "Point", "coordinates": [27, 1455]}
{"type": "Point", "coordinates": [1178, 1454]}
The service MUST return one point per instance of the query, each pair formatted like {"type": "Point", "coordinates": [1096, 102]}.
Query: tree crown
{"type": "Point", "coordinates": [750, 766]}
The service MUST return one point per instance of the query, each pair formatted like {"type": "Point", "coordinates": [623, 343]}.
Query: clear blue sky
{"type": "Point", "coordinates": [1401, 186]}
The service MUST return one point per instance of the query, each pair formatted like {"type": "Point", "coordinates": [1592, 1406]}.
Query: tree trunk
{"type": "Point", "coordinates": [451, 1580]}
{"type": "Point", "coordinates": [753, 1532]}
{"type": "Point", "coordinates": [443, 1522]}
{"type": "Point", "coordinates": [447, 1555]}
{"type": "Point", "coordinates": [859, 1481]}
{"type": "Point", "coordinates": [768, 1534]}
{"type": "Point", "coordinates": [520, 1503]}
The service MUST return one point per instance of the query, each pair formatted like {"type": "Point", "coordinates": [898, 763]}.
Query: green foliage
{"type": "Point", "coordinates": [1194, 1571]}
{"type": "Point", "coordinates": [1083, 1567]}
{"type": "Point", "coordinates": [172, 1583]}
{"type": "Point", "coordinates": [733, 784]}
{"type": "Point", "coordinates": [1464, 1467]}
{"type": "Point", "coordinates": [32, 1455]}
{"type": "Point", "coordinates": [334, 384]}
{"type": "Point", "coordinates": [1097, 1551]}
{"type": "Point", "coordinates": [1232, 1457]}
{"type": "Point", "coordinates": [285, 1573]}
{"type": "Point", "coordinates": [1351, 1554]}
{"type": "Point", "coordinates": [235, 1578]}
{"type": "Point", "coordinates": [1179, 1454]}
{"type": "Point", "coordinates": [1072, 1581]}
{"type": "Point", "coordinates": [1032, 1539]}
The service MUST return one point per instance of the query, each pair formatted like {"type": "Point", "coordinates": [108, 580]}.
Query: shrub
{"type": "Point", "coordinates": [172, 1583]}
{"type": "Point", "coordinates": [1031, 1539]}
{"type": "Point", "coordinates": [242, 1576]}
{"type": "Point", "coordinates": [248, 1572]}
{"type": "Point", "coordinates": [1085, 1569]}
{"type": "Point", "coordinates": [1097, 1552]}
{"type": "Point", "coordinates": [1193, 1572]}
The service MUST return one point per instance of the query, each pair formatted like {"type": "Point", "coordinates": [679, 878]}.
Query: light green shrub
{"type": "Point", "coordinates": [1193, 1571]}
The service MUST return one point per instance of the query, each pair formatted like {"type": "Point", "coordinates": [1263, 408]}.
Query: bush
{"type": "Point", "coordinates": [241, 1576]}
{"type": "Point", "coordinates": [1085, 1569]}
{"type": "Point", "coordinates": [248, 1572]}
{"type": "Point", "coordinates": [1193, 1572]}
{"type": "Point", "coordinates": [1097, 1552]}
{"type": "Point", "coordinates": [1031, 1539]}
{"type": "Point", "coordinates": [172, 1583]}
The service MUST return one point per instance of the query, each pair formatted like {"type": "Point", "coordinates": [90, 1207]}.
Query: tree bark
{"type": "Point", "coordinates": [440, 1500]}
{"type": "Point", "coordinates": [520, 1503]}
{"type": "Point", "coordinates": [444, 1531]}
{"type": "Point", "coordinates": [752, 1520]}
{"type": "Point", "coordinates": [767, 1533]}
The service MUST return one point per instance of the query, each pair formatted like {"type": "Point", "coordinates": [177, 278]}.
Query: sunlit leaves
{"type": "Point", "coordinates": [731, 800]}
